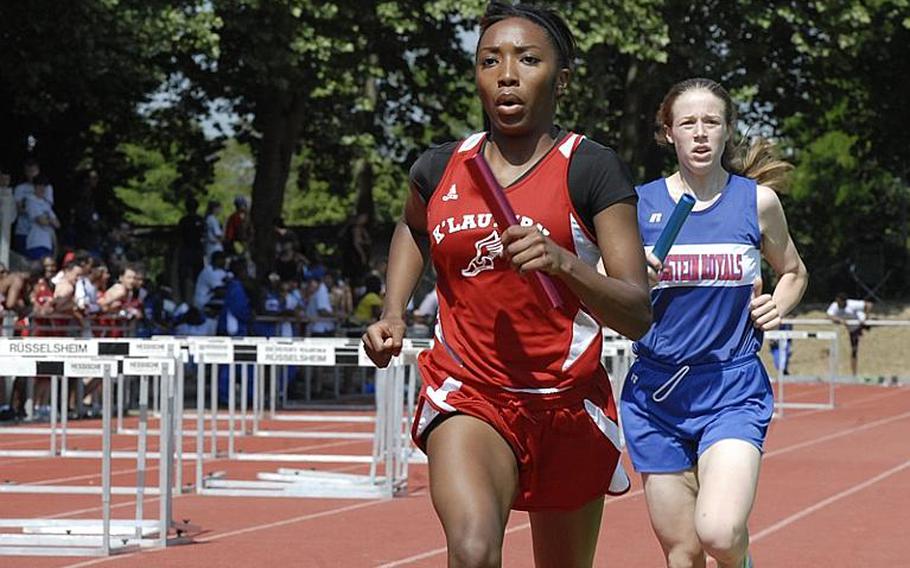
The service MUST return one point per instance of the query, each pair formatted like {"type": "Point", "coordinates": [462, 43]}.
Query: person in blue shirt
{"type": "Point", "coordinates": [236, 317]}
{"type": "Point", "coordinates": [272, 304]}
{"type": "Point", "coordinates": [237, 312]}
{"type": "Point", "coordinates": [697, 402]}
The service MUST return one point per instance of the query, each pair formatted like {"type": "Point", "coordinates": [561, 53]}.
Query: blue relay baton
{"type": "Point", "coordinates": [674, 224]}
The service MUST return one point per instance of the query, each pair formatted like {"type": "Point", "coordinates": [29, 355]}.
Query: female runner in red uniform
{"type": "Point", "coordinates": [516, 409]}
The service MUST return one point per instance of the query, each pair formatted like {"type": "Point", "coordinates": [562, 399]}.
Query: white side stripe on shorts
{"type": "Point", "coordinates": [665, 389]}
{"type": "Point", "coordinates": [609, 428]}
{"type": "Point", "coordinates": [438, 396]}
{"type": "Point", "coordinates": [620, 481]}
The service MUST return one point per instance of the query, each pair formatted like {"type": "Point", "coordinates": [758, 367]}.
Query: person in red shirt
{"type": "Point", "coordinates": [238, 229]}
{"type": "Point", "coordinates": [516, 410]}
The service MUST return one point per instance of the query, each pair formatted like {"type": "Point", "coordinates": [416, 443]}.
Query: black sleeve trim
{"type": "Point", "coordinates": [598, 178]}
{"type": "Point", "coordinates": [427, 171]}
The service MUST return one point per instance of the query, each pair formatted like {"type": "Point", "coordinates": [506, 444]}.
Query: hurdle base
{"type": "Point", "coordinates": [307, 484]}
{"type": "Point", "coordinates": [84, 537]}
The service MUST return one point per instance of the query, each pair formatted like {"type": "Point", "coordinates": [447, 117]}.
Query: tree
{"type": "Point", "coordinates": [331, 78]}
{"type": "Point", "coordinates": [78, 81]}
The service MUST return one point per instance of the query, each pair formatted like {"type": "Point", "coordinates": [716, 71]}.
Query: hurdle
{"type": "Point", "coordinates": [780, 402]}
{"type": "Point", "coordinates": [390, 442]}
{"type": "Point", "coordinates": [130, 352]}
{"type": "Point", "coordinates": [56, 537]}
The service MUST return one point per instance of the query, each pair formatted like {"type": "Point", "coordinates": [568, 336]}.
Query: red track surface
{"type": "Point", "coordinates": [833, 493]}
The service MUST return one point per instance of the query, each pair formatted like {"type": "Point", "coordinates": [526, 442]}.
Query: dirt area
{"type": "Point", "coordinates": [883, 351]}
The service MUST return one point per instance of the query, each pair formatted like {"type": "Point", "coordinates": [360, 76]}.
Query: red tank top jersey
{"type": "Point", "coordinates": [493, 328]}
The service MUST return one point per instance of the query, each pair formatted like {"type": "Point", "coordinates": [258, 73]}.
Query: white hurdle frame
{"type": "Point", "coordinates": [80, 538]}
{"type": "Point", "coordinates": [49, 537]}
{"type": "Point", "coordinates": [132, 351]}
{"type": "Point", "coordinates": [780, 402]}
{"type": "Point", "coordinates": [390, 445]}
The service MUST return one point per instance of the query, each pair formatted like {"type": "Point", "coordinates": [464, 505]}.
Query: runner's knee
{"type": "Point", "coordinates": [475, 549]}
{"type": "Point", "coordinates": [722, 538]}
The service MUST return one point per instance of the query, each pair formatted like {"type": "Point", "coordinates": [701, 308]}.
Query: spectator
{"type": "Point", "coordinates": [42, 221]}
{"type": "Point", "coordinates": [289, 265]}
{"type": "Point", "coordinates": [141, 292]}
{"type": "Point", "coordinates": [339, 295]}
{"type": "Point", "coordinates": [190, 321]}
{"type": "Point", "coordinates": [65, 290]}
{"type": "Point", "coordinates": [81, 258]}
{"type": "Point", "coordinates": [190, 234]}
{"type": "Point", "coordinates": [293, 306]}
{"type": "Point", "coordinates": [5, 180]}
{"type": "Point", "coordinates": [12, 289]}
{"type": "Point", "coordinates": [315, 269]}
{"type": "Point", "coordinates": [49, 270]}
{"type": "Point", "coordinates": [319, 310]}
{"type": "Point", "coordinates": [283, 235]}
{"type": "Point", "coordinates": [271, 305]}
{"type": "Point", "coordinates": [90, 287]}
{"type": "Point", "coordinates": [852, 314]}
{"type": "Point", "coordinates": [237, 312]}
{"type": "Point", "coordinates": [782, 350]}
{"type": "Point", "coordinates": [122, 298]}
{"type": "Point", "coordinates": [31, 170]}
{"type": "Point", "coordinates": [41, 296]}
{"type": "Point", "coordinates": [159, 307]}
{"type": "Point", "coordinates": [238, 232]}
{"type": "Point", "coordinates": [369, 307]}
{"type": "Point", "coordinates": [211, 278]}
{"type": "Point", "coordinates": [213, 232]}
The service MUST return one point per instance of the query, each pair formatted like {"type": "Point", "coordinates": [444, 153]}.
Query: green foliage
{"type": "Point", "coordinates": [234, 171]}
{"type": "Point", "coordinates": [336, 99]}
{"type": "Point", "coordinates": [844, 208]}
{"type": "Point", "coordinates": [81, 79]}
{"type": "Point", "coordinates": [149, 195]}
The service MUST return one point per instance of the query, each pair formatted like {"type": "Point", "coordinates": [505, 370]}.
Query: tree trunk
{"type": "Point", "coordinates": [280, 131]}
{"type": "Point", "coordinates": [636, 125]}
{"type": "Point", "coordinates": [363, 167]}
{"type": "Point", "coordinates": [629, 123]}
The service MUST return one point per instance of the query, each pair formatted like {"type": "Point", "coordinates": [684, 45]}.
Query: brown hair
{"type": "Point", "coordinates": [759, 160]}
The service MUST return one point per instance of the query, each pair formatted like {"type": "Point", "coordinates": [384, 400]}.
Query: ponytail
{"type": "Point", "coordinates": [761, 161]}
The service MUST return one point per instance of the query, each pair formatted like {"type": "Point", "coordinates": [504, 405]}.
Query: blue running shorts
{"type": "Point", "coordinates": [671, 415]}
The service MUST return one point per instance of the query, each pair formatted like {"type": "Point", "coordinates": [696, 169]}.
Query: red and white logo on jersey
{"type": "Point", "coordinates": [486, 250]}
{"type": "Point", "coordinates": [452, 195]}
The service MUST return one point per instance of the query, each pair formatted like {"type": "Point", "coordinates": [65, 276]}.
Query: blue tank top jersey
{"type": "Point", "coordinates": [701, 304]}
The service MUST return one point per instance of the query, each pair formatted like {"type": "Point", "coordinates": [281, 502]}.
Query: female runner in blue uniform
{"type": "Point", "coordinates": [697, 403]}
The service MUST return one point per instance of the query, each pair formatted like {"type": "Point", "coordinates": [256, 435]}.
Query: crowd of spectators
{"type": "Point", "coordinates": [303, 294]}
{"type": "Point", "coordinates": [78, 278]}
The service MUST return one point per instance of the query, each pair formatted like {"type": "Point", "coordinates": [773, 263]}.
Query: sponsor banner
{"type": "Point", "coordinates": [300, 353]}
{"type": "Point", "coordinates": [213, 352]}
{"type": "Point", "coordinates": [139, 367]}
{"type": "Point", "coordinates": [35, 347]}
{"type": "Point", "coordinates": [88, 368]}
{"type": "Point", "coordinates": [146, 348]}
